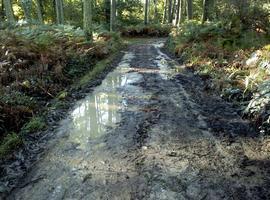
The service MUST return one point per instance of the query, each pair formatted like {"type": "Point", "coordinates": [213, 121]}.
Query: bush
{"type": "Point", "coordinates": [14, 98]}
{"type": "Point", "coordinates": [37, 63]}
{"type": "Point", "coordinates": [258, 108]}
{"type": "Point", "coordinates": [218, 53]}
{"type": "Point", "coordinates": [9, 142]}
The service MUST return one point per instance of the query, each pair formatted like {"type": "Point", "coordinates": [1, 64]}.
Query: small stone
{"type": "Point", "coordinates": [3, 188]}
{"type": "Point", "coordinates": [172, 154]}
{"type": "Point", "coordinates": [87, 177]}
{"type": "Point", "coordinates": [144, 148]}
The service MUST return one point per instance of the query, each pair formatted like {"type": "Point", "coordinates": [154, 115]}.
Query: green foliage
{"type": "Point", "coordinates": [62, 95]}
{"type": "Point", "coordinates": [195, 31]}
{"type": "Point", "coordinates": [219, 53]}
{"type": "Point", "coordinates": [14, 98]}
{"type": "Point", "coordinates": [218, 35]}
{"type": "Point", "coordinates": [46, 35]}
{"type": "Point", "coordinates": [9, 143]}
{"type": "Point", "coordinates": [258, 107]}
{"type": "Point", "coordinates": [130, 12]}
{"type": "Point", "coordinates": [34, 125]}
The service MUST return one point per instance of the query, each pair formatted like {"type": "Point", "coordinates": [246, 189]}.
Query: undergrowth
{"type": "Point", "coordinates": [232, 61]}
{"type": "Point", "coordinates": [38, 64]}
{"type": "Point", "coordinates": [154, 30]}
{"type": "Point", "coordinates": [9, 143]}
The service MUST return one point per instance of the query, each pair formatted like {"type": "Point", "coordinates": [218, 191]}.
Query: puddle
{"type": "Point", "coordinates": [99, 111]}
{"type": "Point", "coordinates": [93, 115]}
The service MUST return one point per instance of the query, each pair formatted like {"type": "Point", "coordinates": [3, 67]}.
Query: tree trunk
{"type": "Point", "coordinates": [39, 11]}
{"type": "Point", "coordinates": [177, 12]}
{"type": "Point", "coordinates": [87, 19]}
{"type": "Point", "coordinates": [146, 7]}
{"type": "Point", "coordinates": [62, 11]}
{"type": "Point", "coordinates": [27, 7]}
{"type": "Point", "coordinates": [165, 12]}
{"type": "Point", "coordinates": [155, 11]}
{"type": "Point", "coordinates": [173, 11]}
{"type": "Point", "coordinates": [9, 11]}
{"type": "Point", "coordinates": [2, 11]}
{"type": "Point", "coordinates": [184, 9]}
{"type": "Point", "coordinates": [189, 9]}
{"type": "Point", "coordinates": [59, 11]}
{"type": "Point", "coordinates": [112, 15]}
{"type": "Point", "coordinates": [181, 12]}
{"type": "Point", "coordinates": [170, 11]}
{"type": "Point", "coordinates": [206, 10]}
{"type": "Point", "coordinates": [107, 7]}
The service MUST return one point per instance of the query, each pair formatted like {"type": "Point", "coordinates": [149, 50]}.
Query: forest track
{"type": "Point", "coordinates": [150, 131]}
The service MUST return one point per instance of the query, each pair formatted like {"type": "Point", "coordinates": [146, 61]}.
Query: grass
{"type": "Point", "coordinates": [99, 68]}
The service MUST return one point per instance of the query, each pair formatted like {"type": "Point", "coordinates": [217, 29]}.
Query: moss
{"type": "Point", "coordinates": [9, 143]}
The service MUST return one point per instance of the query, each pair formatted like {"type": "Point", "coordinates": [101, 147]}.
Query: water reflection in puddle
{"type": "Point", "coordinates": [93, 115]}
{"type": "Point", "coordinates": [100, 110]}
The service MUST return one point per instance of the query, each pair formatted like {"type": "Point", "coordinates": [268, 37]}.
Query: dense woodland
{"type": "Point", "coordinates": [114, 15]}
{"type": "Point", "coordinates": [48, 45]}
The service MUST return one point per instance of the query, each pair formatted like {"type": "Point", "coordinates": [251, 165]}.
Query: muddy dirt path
{"type": "Point", "coordinates": [149, 131]}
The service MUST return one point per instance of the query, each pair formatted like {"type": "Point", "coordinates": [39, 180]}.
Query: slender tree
{"type": "Point", "coordinates": [155, 10]}
{"type": "Point", "coordinates": [169, 11]}
{"type": "Point", "coordinates": [59, 11]}
{"type": "Point", "coordinates": [9, 11]}
{"type": "Point", "coordinates": [206, 10]}
{"type": "Point", "coordinates": [178, 12]}
{"type": "Point", "coordinates": [172, 11]}
{"type": "Point", "coordinates": [87, 19]}
{"type": "Point", "coordinates": [107, 10]}
{"type": "Point", "coordinates": [27, 8]}
{"type": "Point", "coordinates": [39, 11]}
{"type": "Point", "coordinates": [181, 12]}
{"type": "Point", "coordinates": [112, 15]}
{"type": "Point", "coordinates": [165, 13]}
{"type": "Point", "coordinates": [2, 11]}
{"type": "Point", "coordinates": [146, 10]}
{"type": "Point", "coordinates": [184, 8]}
{"type": "Point", "coordinates": [189, 9]}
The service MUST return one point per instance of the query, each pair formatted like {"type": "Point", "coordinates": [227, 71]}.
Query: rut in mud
{"type": "Point", "coordinates": [149, 131]}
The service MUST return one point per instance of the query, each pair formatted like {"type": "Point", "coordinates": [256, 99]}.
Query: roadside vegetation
{"type": "Point", "coordinates": [232, 55]}
{"type": "Point", "coordinates": [38, 64]}
{"type": "Point", "coordinates": [47, 47]}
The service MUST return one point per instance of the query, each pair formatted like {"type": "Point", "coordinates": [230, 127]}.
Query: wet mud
{"type": "Point", "coordinates": [150, 131]}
